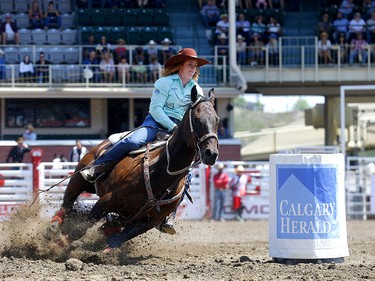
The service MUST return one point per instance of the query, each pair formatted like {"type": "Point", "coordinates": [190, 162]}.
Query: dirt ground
{"type": "Point", "coordinates": [201, 250]}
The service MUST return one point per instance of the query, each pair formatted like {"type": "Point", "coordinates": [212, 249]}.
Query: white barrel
{"type": "Point", "coordinates": [307, 217]}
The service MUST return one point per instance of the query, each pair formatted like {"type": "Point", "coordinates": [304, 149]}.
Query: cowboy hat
{"type": "Point", "coordinates": [119, 41]}
{"type": "Point", "coordinates": [185, 55]}
{"type": "Point", "coordinates": [222, 36]}
{"type": "Point", "coordinates": [240, 37]}
{"type": "Point", "coordinates": [239, 168]}
{"type": "Point", "coordinates": [220, 166]}
{"type": "Point", "coordinates": [166, 40]}
{"type": "Point", "coordinates": [152, 42]}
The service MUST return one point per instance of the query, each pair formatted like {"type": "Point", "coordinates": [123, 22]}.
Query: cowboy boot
{"type": "Point", "coordinates": [167, 225]}
{"type": "Point", "coordinates": [94, 172]}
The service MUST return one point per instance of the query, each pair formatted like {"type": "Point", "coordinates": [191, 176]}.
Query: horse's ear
{"type": "Point", "coordinates": [194, 94]}
{"type": "Point", "coordinates": [211, 96]}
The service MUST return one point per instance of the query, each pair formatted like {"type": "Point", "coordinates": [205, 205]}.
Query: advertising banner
{"type": "Point", "coordinates": [307, 206]}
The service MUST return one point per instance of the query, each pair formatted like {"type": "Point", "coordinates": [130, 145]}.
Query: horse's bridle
{"type": "Point", "coordinates": [198, 142]}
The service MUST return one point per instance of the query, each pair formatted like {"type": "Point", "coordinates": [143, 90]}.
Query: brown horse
{"type": "Point", "coordinates": [143, 189]}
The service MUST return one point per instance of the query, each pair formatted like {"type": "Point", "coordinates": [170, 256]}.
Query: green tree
{"type": "Point", "coordinates": [301, 104]}
{"type": "Point", "coordinates": [240, 102]}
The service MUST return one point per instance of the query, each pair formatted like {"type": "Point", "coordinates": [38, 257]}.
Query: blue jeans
{"type": "Point", "coordinates": [133, 141]}
{"type": "Point", "coordinates": [219, 197]}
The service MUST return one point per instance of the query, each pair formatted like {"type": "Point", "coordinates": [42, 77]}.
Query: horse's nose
{"type": "Point", "coordinates": [210, 156]}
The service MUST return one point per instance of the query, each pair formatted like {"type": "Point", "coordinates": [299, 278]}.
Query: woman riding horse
{"type": "Point", "coordinates": [168, 105]}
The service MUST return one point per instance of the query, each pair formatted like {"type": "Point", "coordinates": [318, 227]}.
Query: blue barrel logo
{"type": "Point", "coordinates": [306, 197]}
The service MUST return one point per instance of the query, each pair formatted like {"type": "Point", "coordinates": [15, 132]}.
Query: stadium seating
{"type": "Point", "coordinates": [69, 36]}
{"type": "Point", "coordinates": [53, 37]}
{"type": "Point", "coordinates": [11, 55]}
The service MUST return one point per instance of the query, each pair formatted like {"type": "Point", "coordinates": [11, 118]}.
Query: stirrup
{"type": "Point", "coordinates": [167, 226]}
{"type": "Point", "coordinates": [90, 174]}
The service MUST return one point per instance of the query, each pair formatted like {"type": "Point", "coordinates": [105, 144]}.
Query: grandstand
{"type": "Point", "coordinates": [291, 67]}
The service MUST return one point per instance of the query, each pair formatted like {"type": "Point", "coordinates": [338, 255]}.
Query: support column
{"type": "Point", "coordinates": [329, 121]}
{"type": "Point", "coordinates": [131, 114]}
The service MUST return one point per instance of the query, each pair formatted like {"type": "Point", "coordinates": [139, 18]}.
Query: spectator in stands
{"type": "Point", "coordinates": [243, 27]}
{"type": "Point", "coordinates": [238, 185]}
{"type": "Point", "coordinates": [256, 50]}
{"type": "Point", "coordinates": [9, 31]}
{"type": "Point", "coordinates": [210, 14]}
{"type": "Point", "coordinates": [26, 70]}
{"type": "Point", "coordinates": [221, 186]}
{"type": "Point", "coordinates": [325, 25]}
{"type": "Point", "coordinates": [42, 69]}
{"type": "Point", "coordinates": [155, 68]}
{"type": "Point", "coordinates": [344, 49]}
{"type": "Point", "coordinates": [274, 27]}
{"type": "Point", "coordinates": [357, 25]}
{"type": "Point", "coordinates": [103, 47]}
{"type": "Point", "coordinates": [241, 50]}
{"type": "Point", "coordinates": [36, 15]}
{"type": "Point", "coordinates": [91, 46]}
{"type": "Point", "coordinates": [139, 65]}
{"type": "Point", "coordinates": [371, 28]}
{"type": "Point", "coordinates": [222, 46]}
{"type": "Point", "coordinates": [52, 16]}
{"type": "Point", "coordinates": [2, 66]}
{"type": "Point", "coordinates": [107, 67]}
{"type": "Point", "coordinates": [346, 8]}
{"type": "Point", "coordinates": [324, 49]}
{"type": "Point", "coordinates": [78, 151]}
{"type": "Point", "coordinates": [142, 3]}
{"type": "Point", "coordinates": [358, 49]}
{"type": "Point", "coordinates": [244, 4]}
{"type": "Point", "coordinates": [167, 50]}
{"type": "Point", "coordinates": [29, 133]}
{"type": "Point", "coordinates": [273, 50]}
{"type": "Point", "coordinates": [222, 25]}
{"type": "Point", "coordinates": [340, 26]}
{"type": "Point", "coordinates": [261, 4]}
{"type": "Point", "coordinates": [152, 50]}
{"type": "Point", "coordinates": [17, 152]}
{"type": "Point", "coordinates": [123, 69]}
{"type": "Point", "coordinates": [259, 28]}
{"type": "Point", "coordinates": [92, 67]}
{"type": "Point", "coordinates": [120, 50]}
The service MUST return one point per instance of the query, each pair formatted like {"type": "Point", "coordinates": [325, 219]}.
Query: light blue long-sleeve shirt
{"type": "Point", "coordinates": [170, 99]}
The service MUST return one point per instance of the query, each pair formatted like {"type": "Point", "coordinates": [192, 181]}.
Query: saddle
{"type": "Point", "coordinates": [161, 139]}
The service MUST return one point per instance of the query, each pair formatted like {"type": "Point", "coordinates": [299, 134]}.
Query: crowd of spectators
{"type": "Point", "coordinates": [345, 30]}
{"type": "Point", "coordinates": [110, 64]}
{"type": "Point", "coordinates": [253, 33]}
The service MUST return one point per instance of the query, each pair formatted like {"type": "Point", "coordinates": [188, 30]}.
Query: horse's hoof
{"type": "Point", "coordinates": [107, 251]}
{"type": "Point", "coordinates": [52, 230]}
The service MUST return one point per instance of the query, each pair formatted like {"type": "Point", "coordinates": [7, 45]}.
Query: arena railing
{"type": "Point", "coordinates": [302, 63]}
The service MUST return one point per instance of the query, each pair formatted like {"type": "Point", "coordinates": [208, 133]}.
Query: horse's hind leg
{"type": "Point", "coordinates": [129, 232]}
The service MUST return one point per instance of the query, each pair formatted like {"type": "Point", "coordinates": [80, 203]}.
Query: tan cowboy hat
{"type": "Point", "coordinates": [119, 41]}
{"type": "Point", "coordinates": [29, 127]}
{"type": "Point", "coordinates": [185, 55]}
{"type": "Point", "coordinates": [239, 168]}
{"type": "Point", "coordinates": [220, 166]}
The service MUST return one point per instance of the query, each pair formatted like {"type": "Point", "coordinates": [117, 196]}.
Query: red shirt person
{"type": "Point", "coordinates": [221, 185]}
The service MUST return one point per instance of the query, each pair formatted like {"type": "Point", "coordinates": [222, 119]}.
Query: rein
{"type": "Point", "coordinates": [198, 142]}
